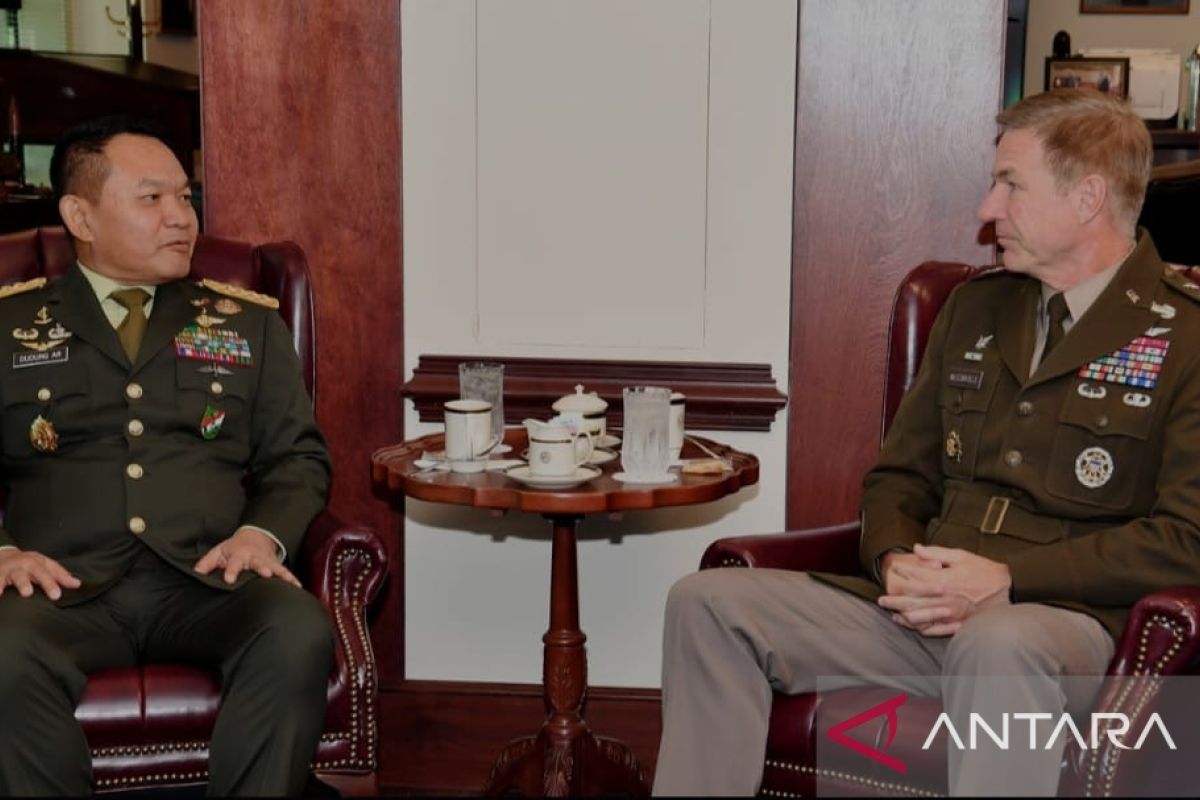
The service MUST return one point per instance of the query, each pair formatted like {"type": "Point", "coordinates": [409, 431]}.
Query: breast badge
{"type": "Point", "coordinates": [954, 447]}
{"type": "Point", "coordinates": [1094, 467]}
{"type": "Point", "coordinates": [226, 306]}
{"type": "Point", "coordinates": [1136, 399]}
{"type": "Point", "coordinates": [42, 336]}
{"type": "Point", "coordinates": [1092, 392]}
{"type": "Point", "coordinates": [42, 435]}
{"type": "Point", "coordinates": [1164, 310]}
{"type": "Point", "coordinates": [211, 422]}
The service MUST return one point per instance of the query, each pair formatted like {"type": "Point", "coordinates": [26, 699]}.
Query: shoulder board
{"type": "Point", "coordinates": [1179, 279]}
{"type": "Point", "coordinates": [22, 287]}
{"type": "Point", "coordinates": [241, 294]}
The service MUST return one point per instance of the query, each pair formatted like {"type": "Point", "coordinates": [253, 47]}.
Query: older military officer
{"type": "Point", "coordinates": [161, 461]}
{"type": "Point", "coordinates": [1039, 478]}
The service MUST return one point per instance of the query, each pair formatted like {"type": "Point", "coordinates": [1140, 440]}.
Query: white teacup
{"type": "Point", "coordinates": [554, 451]}
{"type": "Point", "coordinates": [469, 434]}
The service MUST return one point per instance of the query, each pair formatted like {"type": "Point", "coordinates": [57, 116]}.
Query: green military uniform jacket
{"type": "Point", "coordinates": [1097, 453]}
{"type": "Point", "coordinates": [132, 467]}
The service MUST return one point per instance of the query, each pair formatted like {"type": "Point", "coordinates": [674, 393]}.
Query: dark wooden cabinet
{"type": "Point", "coordinates": [57, 90]}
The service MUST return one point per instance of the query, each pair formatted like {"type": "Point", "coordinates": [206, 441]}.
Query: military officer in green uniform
{"type": "Point", "coordinates": [161, 465]}
{"type": "Point", "coordinates": [1042, 474]}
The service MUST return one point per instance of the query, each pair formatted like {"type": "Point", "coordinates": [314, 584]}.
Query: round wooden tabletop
{"type": "Point", "coordinates": [393, 470]}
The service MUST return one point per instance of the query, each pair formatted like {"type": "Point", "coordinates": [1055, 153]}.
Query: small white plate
{"type": "Point", "coordinates": [522, 474]}
{"type": "Point", "coordinates": [669, 477]}
{"type": "Point", "coordinates": [608, 440]}
{"type": "Point", "coordinates": [599, 457]}
{"type": "Point", "coordinates": [501, 449]}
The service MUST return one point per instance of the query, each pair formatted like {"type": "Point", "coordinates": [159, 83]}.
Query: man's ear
{"type": "Point", "coordinates": [74, 212]}
{"type": "Point", "coordinates": [1089, 195]}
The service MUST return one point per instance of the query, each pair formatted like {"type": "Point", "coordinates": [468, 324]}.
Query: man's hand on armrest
{"type": "Point", "coordinates": [22, 569]}
{"type": "Point", "coordinates": [248, 549]}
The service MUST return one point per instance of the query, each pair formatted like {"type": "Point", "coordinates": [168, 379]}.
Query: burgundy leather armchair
{"type": "Point", "coordinates": [1162, 636]}
{"type": "Point", "coordinates": [150, 725]}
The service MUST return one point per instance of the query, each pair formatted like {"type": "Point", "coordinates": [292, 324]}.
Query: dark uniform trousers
{"type": "Point", "coordinates": [1080, 477]}
{"type": "Point", "coordinates": [269, 642]}
{"type": "Point", "coordinates": [149, 465]}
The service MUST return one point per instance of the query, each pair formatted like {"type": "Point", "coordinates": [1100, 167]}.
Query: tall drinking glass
{"type": "Point", "coordinates": [480, 381]}
{"type": "Point", "coordinates": [645, 446]}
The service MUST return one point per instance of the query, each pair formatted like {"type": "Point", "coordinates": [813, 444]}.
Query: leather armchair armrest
{"type": "Point", "coordinates": [1161, 638]}
{"type": "Point", "coordinates": [1162, 635]}
{"type": "Point", "coordinates": [345, 566]}
{"type": "Point", "coordinates": [830, 549]}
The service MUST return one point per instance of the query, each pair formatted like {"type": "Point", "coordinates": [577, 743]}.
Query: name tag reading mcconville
{"type": "Point", "coordinates": [966, 378]}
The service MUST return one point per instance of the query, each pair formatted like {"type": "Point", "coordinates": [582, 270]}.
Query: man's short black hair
{"type": "Point", "coordinates": [78, 165]}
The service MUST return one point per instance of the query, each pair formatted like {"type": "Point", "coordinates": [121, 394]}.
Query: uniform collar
{"type": "Point", "coordinates": [104, 286]}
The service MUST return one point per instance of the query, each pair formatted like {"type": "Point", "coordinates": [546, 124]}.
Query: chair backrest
{"type": "Point", "coordinates": [278, 269]}
{"type": "Point", "coordinates": [1170, 210]}
{"type": "Point", "coordinates": [916, 305]}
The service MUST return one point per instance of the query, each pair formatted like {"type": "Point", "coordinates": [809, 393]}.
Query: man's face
{"type": "Point", "coordinates": [142, 227]}
{"type": "Point", "coordinates": [1036, 223]}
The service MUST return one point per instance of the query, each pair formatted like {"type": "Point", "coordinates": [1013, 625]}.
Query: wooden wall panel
{"type": "Point", "coordinates": [301, 140]}
{"type": "Point", "coordinates": [894, 127]}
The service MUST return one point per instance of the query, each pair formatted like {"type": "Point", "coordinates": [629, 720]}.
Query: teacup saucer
{"type": "Point", "coordinates": [608, 440]}
{"type": "Point", "coordinates": [600, 456]}
{"type": "Point", "coordinates": [522, 474]}
{"type": "Point", "coordinates": [668, 477]}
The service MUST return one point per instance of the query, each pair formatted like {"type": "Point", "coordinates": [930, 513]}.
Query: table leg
{"type": "Point", "coordinates": [565, 757]}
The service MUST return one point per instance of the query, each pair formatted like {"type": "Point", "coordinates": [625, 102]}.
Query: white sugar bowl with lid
{"type": "Point", "coordinates": [588, 408]}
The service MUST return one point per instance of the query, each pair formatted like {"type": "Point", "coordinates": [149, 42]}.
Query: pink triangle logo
{"type": "Point", "coordinates": [838, 732]}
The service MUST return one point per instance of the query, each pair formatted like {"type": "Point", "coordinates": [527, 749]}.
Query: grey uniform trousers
{"type": "Point", "coordinates": [270, 643]}
{"type": "Point", "coordinates": [733, 636]}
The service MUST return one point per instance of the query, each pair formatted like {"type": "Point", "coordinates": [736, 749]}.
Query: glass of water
{"type": "Point", "coordinates": [480, 381]}
{"type": "Point", "coordinates": [645, 445]}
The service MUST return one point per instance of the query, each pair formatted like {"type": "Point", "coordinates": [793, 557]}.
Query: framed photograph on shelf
{"type": "Point", "coordinates": [1109, 75]}
{"type": "Point", "coordinates": [1133, 6]}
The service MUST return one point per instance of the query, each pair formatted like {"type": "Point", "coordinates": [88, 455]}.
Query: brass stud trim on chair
{"type": "Point", "coordinates": [889, 786]}
{"type": "Point", "coordinates": [1112, 756]}
{"type": "Point", "coordinates": [362, 726]}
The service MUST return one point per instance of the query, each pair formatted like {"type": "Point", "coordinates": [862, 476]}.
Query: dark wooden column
{"type": "Point", "coordinates": [894, 127]}
{"type": "Point", "coordinates": [301, 141]}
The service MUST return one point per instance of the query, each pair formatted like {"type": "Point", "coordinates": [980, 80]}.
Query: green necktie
{"type": "Point", "coordinates": [1057, 311]}
{"type": "Point", "coordinates": [133, 327]}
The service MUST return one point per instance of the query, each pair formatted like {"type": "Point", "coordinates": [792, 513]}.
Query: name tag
{"type": "Point", "coordinates": [966, 378]}
{"type": "Point", "coordinates": [58, 355]}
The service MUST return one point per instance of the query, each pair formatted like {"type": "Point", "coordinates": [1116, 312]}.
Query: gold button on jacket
{"type": "Point", "coordinates": [267, 465]}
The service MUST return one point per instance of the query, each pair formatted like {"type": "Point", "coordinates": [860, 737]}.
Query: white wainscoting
{"type": "Point", "coordinates": [558, 154]}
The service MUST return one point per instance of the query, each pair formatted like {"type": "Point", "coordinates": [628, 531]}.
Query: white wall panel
{"type": "Point", "coordinates": [548, 143]}
{"type": "Point", "coordinates": [592, 171]}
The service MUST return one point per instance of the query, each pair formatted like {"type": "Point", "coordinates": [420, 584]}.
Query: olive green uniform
{"type": "Point", "coordinates": [1092, 461]}
{"type": "Point", "coordinates": [129, 497]}
{"type": "Point", "coordinates": [1100, 476]}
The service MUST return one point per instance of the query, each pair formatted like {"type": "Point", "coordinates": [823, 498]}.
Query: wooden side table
{"type": "Point", "coordinates": [564, 757]}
